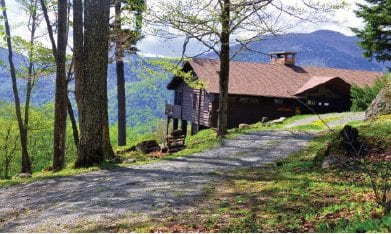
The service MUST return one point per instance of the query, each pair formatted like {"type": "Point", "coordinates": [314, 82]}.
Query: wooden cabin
{"type": "Point", "coordinates": [256, 90]}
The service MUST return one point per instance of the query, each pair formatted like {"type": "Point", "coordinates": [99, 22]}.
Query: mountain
{"type": "Point", "coordinates": [146, 92]}
{"type": "Point", "coordinates": [322, 48]}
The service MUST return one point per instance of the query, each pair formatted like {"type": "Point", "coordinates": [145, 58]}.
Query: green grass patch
{"type": "Point", "coordinates": [44, 175]}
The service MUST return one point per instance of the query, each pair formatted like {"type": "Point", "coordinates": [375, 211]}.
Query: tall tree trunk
{"type": "Point", "coordinates": [61, 96]}
{"type": "Point", "coordinates": [30, 72]}
{"type": "Point", "coordinates": [26, 163]}
{"type": "Point", "coordinates": [120, 76]}
{"type": "Point", "coordinates": [91, 59]}
{"type": "Point", "coordinates": [61, 104]}
{"type": "Point", "coordinates": [224, 70]}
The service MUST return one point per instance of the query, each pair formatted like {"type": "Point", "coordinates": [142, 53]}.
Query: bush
{"type": "Point", "coordinates": [363, 97]}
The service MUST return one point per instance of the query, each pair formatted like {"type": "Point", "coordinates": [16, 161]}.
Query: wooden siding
{"type": "Point", "coordinates": [193, 109]}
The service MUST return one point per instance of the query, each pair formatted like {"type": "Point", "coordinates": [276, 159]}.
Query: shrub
{"type": "Point", "coordinates": [363, 97]}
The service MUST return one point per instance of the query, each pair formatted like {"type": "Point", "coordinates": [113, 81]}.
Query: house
{"type": "Point", "coordinates": [256, 90]}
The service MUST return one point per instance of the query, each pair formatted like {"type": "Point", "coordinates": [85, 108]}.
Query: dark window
{"type": "Point", "coordinates": [278, 101]}
{"type": "Point", "coordinates": [311, 102]}
{"type": "Point", "coordinates": [206, 103]}
{"type": "Point", "coordinates": [195, 101]}
{"type": "Point", "coordinates": [254, 100]}
{"type": "Point", "coordinates": [243, 99]}
{"type": "Point", "coordinates": [232, 99]}
{"type": "Point", "coordinates": [178, 98]}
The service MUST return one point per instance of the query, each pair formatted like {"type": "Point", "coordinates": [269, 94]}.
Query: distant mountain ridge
{"type": "Point", "coordinates": [322, 48]}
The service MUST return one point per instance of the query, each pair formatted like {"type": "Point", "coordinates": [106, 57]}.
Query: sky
{"type": "Point", "coordinates": [154, 46]}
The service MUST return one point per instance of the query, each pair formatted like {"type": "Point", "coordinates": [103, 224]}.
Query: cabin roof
{"type": "Point", "coordinates": [257, 79]}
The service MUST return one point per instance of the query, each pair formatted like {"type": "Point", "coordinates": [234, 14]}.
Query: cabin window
{"type": "Point", "coordinates": [243, 99]}
{"type": "Point", "coordinates": [178, 98]}
{"type": "Point", "coordinates": [194, 101]}
{"type": "Point", "coordinates": [254, 100]}
{"type": "Point", "coordinates": [311, 102]}
{"type": "Point", "coordinates": [326, 104]}
{"type": "Point", "coordinates": [278, 101]}
{"type": "Point", "coordinates": [232, 99]}
{"type": "Point", "coordinates": [206, 103]}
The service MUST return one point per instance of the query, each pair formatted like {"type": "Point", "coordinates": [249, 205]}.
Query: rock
{"type": "Point", "coordinates": [243, 126]}
{"type": "Point", "coordinates": [330, 162]}
{"type": "Point", "coordinates": [23, 175]}
{"type": "Point", "coordinates": [147, 147]}
{"type": "Point", "coordinates": [278, 121]}
{"type": "Point", "coordinates": [116, 159]}
{"type": "Point", "coordinates": [382, 103]}
{"type": "Point", "coordinates": [129, 161]}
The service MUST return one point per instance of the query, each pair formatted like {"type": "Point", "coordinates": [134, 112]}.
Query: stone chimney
{"type": "Point", "coordinates": [283, 58]}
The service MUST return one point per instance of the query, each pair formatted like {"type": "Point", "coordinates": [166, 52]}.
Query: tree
{"type": "Point", "coordinates": [58, 158]}
{"type": "Point", "coordinates": [90, 37]}
{"type": "Point", "coordinates": [218, 23]}
{"type": "Point", "coordinates": [375, 36]}
{"type": "Point", "coordinates": [124, 40]}
{"type": "Point", "coordinates": [26, 162]}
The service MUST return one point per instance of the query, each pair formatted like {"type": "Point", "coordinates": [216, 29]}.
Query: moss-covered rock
{"type": "Point", "coordinates": [382, 103]}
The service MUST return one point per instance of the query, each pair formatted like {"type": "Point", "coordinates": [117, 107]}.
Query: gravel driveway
{"type": "Point", "coordinates": [58, 205]}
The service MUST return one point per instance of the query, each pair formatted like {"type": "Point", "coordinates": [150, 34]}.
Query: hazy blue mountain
{"type": "Point", "coordinates": [322, 48]}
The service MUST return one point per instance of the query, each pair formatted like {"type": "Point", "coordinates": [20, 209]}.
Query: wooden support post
{"type": "Point", "coordinates": [184, 127]}
{"type": "Point", "coordinates": [168, 125]}
{"type": "Point", "coordinates": [194, 128]}
{"type": "Point", "coordinates": [175, 124]}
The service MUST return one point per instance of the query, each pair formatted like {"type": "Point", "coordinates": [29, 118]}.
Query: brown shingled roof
{"type": "Point", "coordinates": [259, 79]}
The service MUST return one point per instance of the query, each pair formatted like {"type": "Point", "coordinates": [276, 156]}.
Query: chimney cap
{"type": "Point", "coordinates": [283, 52]}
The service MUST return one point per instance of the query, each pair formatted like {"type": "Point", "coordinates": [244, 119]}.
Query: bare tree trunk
{"type": "Point", "coordinates": [61, 104]}
{"type": "Point", "coordinates": [26, 163]}
{"type": "Point", "coordinates": [91, 59]}
{"type": "Point", "coordinates": [30, 73]}
{"type": "Point", "coordinates": [61, 96]}
{"type": "Point", "coordinates": [224, 70]}
{"type": "Point", "coordinates": [120, 76]}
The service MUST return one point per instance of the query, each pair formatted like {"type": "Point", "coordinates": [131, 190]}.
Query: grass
{"type": "Point", "coordinates": [295, 195]}
{"type": "Point", "coordinates": [44, 175]}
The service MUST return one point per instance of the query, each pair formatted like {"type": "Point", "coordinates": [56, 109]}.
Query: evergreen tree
{"type": "Point", "coordinates": [375, 36]}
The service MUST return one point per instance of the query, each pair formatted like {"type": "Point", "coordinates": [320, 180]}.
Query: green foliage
{"type": "Point", "coordinates": [40, 138]}
{"type": "Point", "coordinates": [376, 34]}
{"type": "Point", "coordinates": [363, 97]}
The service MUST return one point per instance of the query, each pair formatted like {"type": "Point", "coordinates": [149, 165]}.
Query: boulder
{"type": "Point", "coordinates": [382, 103]}
{"type": "Point", "coordinates": [147, 147]}
{"type": "Point", "coordinates": [329, 162]}
{"type": "Point", "coordinates": [23, 175]}
{"type": "Point", "coordinates": [243, 126]}
{"type": "Point", "coordinates": [278, 121]}
{"type": "Point", "coordinates": [129, 161]}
